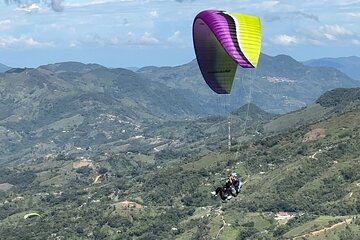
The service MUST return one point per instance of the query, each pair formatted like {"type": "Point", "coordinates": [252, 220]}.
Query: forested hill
{"type": "Point", "coordinates": [71, 107]}
{"type": "Point", "coordinates": [340, 97]}
{"type": "Point", "coordinates": [279, 84]}
{"type": "Point", "coordinates": [330, 104]}
{"type": "Point", "coordinates": [302, 182]}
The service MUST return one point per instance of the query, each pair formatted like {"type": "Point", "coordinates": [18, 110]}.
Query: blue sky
{"type": "Point", "coordinates": [126, 33]}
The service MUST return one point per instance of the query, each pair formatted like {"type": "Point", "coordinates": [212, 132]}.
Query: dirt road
{"type": "Point", "coordinates": [318, 232]}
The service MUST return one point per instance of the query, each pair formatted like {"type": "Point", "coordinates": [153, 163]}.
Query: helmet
{"type": "Point", "coordinates": [234, 174]}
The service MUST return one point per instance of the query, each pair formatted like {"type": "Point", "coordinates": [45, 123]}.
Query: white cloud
{"type": "Point", "coordinates": [9, 41]}
{"type": "Point", "coordinates": [353, 14]}
{"type": "Point", "coordinates": [148, 39]}
{"type": "Point", "coordinates": [95, 2]}
{"type": "Point", "coordinates": [335, 30]}
{"type": "Point", "coordinates": [356, 41]}
{"type": "Point", "coordinates": [347, 2]}
{"type": "Point", "coordinates": [115, 41]}
{"type": "Point", "coordinates": [35, 5]}
{"type": "Point", "coordinates": [285, 40]}
{"type": "Point", "coordinates": [29, 8]}
{"type": "Point", "coordinates": [30, 42]}
{"type": "Point", "coordinates": [73, 44]}
{"type": "Point", "coordinates": [100, 40]}
{"type": "Point", "coordinates": [86, 4]}
{"type": "Point", "coordinates": [332, 32]}
{"type": "Point", "coordinates": [154, 14]}
{"type": "Point", "coordinates": [328, 32]}
{"type": "Point", "coordinates": [266, 4]}
{"type": "Point", "coordinates": [175, 37]}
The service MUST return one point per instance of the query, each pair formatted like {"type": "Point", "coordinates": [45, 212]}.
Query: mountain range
{"type": "Point", "coordinates": [279, 84]}
{"type": "Point", "coordinates": [80, 108]}
{"type": "Point", "coordinates": [348, 65]}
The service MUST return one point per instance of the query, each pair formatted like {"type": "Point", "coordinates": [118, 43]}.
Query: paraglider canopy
{"type": "Point", "coordinates": [97, 178]}
{"type": "Point", "coordinates": [222, 41]}
{"type": "Point", "coordinates": [31, 215]}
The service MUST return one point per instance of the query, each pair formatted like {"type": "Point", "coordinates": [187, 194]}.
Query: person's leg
{"type": "Point", "coordinates": [216, 192]}
{"type": "Point", "coordinates": [237, 187]}
{"type": "Point", "coordinates": [233, 191]}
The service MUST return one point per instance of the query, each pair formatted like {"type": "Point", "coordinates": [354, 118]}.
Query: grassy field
{"type": "Point", "coordinates": [311, 113]}
{"type": "Point", "coordinates": [317, 224]}
{"type": "Point", "coordinates": [334, 234]}
{"type": "Point", "coordinates": [205, 162]}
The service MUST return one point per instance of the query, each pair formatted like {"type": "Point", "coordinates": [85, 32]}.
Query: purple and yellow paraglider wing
{"type": "Point", "coordinates": [222, 41]}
